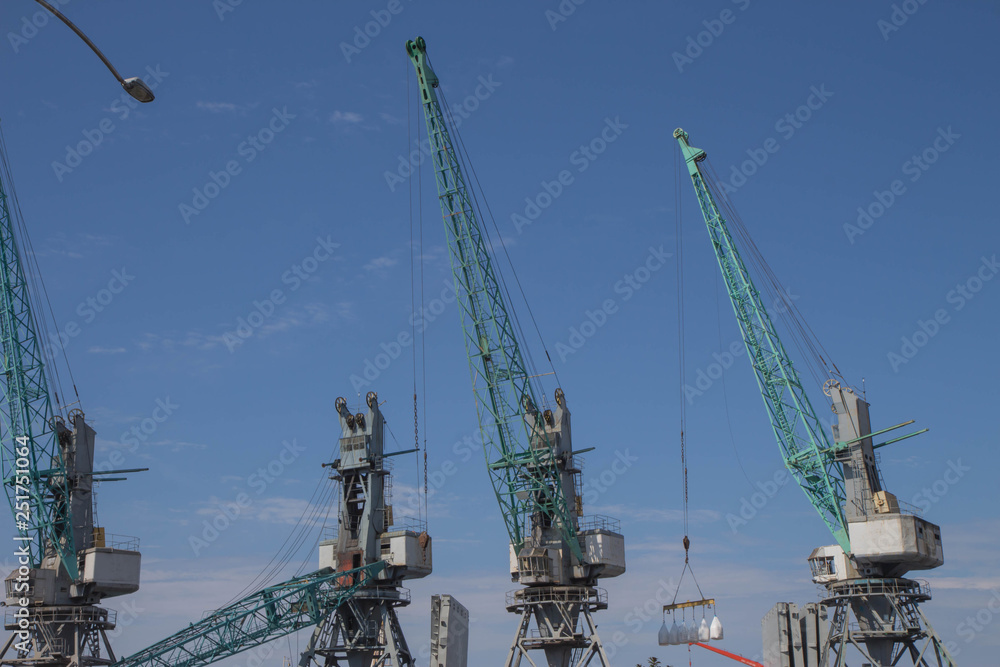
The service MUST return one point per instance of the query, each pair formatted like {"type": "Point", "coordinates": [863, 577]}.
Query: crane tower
{"type": "Point", "coordinates": [66, 564]}
{"type": "Point", "coordinates": [365, 631]}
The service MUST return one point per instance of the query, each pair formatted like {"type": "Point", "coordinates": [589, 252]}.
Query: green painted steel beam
{"type": "Point", "coordinates": [258, 618]}
{"type": "Point", "coordinates": [33, 468]}
{"type": "Point", "coordinates": [900, 438]}
{"type": "Point", "coordinates": [525, 480]}
{"type": "Point", "coordinates": [805, 447]}
{"type": "Point", "coordinates": [847, 443]}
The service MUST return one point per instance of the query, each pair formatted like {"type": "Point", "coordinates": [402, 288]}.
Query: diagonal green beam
{"type": "Point", "coordinates": [499, 376]}
{"type": "Point", "coordinates": [804, 445]}
{"type": "Point", "coordinates": [258, 618]}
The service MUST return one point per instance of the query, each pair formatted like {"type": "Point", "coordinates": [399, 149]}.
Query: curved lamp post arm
{"type": "Point", "coordinates": [133, 86]}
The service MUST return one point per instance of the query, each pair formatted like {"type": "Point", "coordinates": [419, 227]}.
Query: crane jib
{"type": "Point", "coordinates": [524, 482]}
{"type": "Point", "coordinates": [804, 445]}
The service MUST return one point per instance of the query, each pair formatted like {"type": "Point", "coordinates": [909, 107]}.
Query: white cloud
{"type": "Point", "coordinates": [345, 117]}
{"type": "Point", "coordinates": [173, 341]}
{"type": "Point", "coordinates": [225, 107]}
{"type": "Point", "coordinates": [380, 263]}
{"type": "Point", "coordinates": [97, 349]}
{"type": "Point", "coordinates": [216, 107]}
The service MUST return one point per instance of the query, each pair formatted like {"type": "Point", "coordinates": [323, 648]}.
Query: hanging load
{"type": "Point", "coordinates": [715, 632]}
{"type": "Point", "coordinates": [689, 631]}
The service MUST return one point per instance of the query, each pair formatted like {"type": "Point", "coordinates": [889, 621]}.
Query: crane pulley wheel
{"type": "Point", "coordinates": [560, 397]}
{"type": "Point", "coordinates": [371, 399]}
{"type": "Point", "coordinates": [340, 403]}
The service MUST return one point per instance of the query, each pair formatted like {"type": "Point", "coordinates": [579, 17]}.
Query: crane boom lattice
{"type": "Point", "coordinates": [258, 618]}
{"type": "Point", "coordinates": [525, 478]}
{"type": "Point", "coordinates": [804, 445]}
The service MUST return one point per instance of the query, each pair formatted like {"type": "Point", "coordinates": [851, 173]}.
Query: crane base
{"type": "Point", "coordinates": [59, 636]}
{"type": "Point", "coordinates": [565, 629]}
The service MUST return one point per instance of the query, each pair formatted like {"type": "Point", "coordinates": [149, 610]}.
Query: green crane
{"type": "Point", "coordinates": [803, 442]}
{"type": "Point", "coordinates": [34, 468]}
{"type": "Point", "coordinates": [66, 564]}
{"type": "Point", "coordinates": [877, 543]}
{"type": "Point", "coordinates": [555, 555]}
{"type": "Point", "coordinates": [525, 478]}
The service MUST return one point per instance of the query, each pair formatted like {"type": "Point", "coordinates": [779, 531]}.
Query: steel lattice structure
{"type": "Point", "coordinates": [525, 479]}
{"type": "Point", "coordinates": [875, 610]}
{"type": "Point", "coordinates": [38, 492]}
{"type": "Point", "coordinates": [261, 617]}
{"type": "Point", "coordinates": [804, 445]}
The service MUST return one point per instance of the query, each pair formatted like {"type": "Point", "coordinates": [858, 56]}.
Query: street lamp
{"type": "Point", "coordinates": [133, 86]}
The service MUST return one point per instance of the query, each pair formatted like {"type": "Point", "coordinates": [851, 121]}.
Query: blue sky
{"type": "Point", "coordinates": [308, 225]}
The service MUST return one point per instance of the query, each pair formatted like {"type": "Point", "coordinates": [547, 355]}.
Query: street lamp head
{"type": "Point", "coordinates": [137, 89]}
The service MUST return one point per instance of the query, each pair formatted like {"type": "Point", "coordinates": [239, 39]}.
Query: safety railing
{"type": "Point", "coordinates": [600, 522]}
{"type": "Point", "coordinates": [68, 615]}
